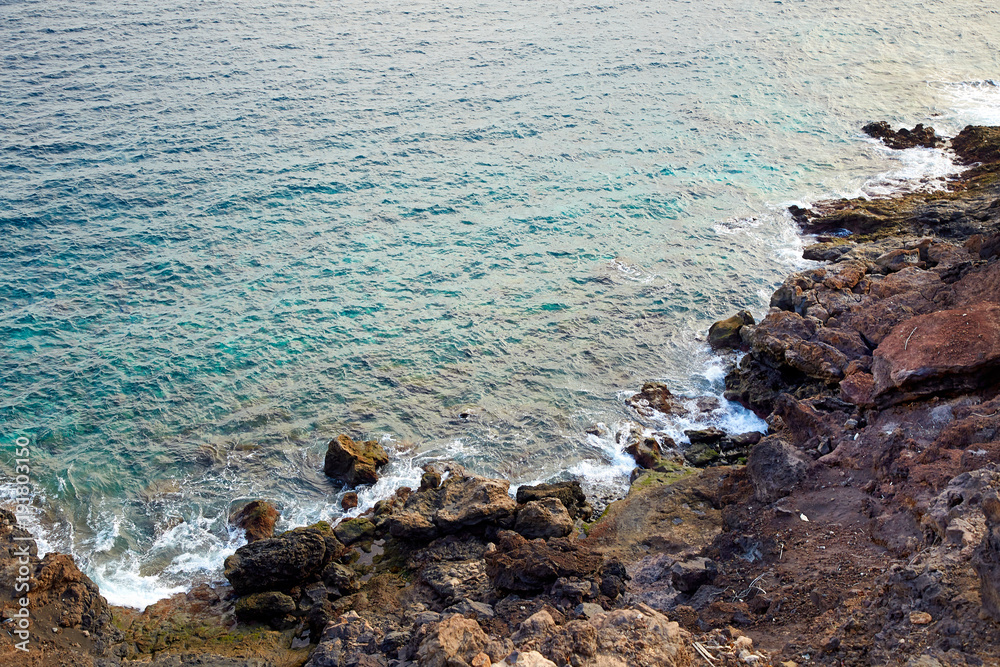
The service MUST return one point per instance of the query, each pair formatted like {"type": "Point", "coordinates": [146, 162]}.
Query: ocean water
{"type": "Point", "coordinates": [230, 231]}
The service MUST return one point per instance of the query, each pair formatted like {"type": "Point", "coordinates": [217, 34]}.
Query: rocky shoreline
{"type": "Point", "coordinates": [862, 529]}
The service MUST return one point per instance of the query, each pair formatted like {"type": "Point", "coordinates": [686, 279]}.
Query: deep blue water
{"type": "Point", "coordinates": [230, 231]}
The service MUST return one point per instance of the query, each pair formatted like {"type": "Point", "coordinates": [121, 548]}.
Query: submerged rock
{"type": "Point", "coordinates": [353, 462]}
{"type": "Point", "coordinates": [656, 397]}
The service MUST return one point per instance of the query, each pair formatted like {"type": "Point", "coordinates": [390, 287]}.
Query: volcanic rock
{"type": "Point", "coordinates": [569, 493]}
{"type": "Point", "coordinates": [277, 563]}
{"type": "Point", "coordinates": [257, 518]}
{"type": "Point", "coordinates": [726, 333]}
{"type": "Point", "coordinates": [543, 518]}
{"type": "Point", "coordinates": [903, 138]}
{"type": "Point", "coordinates": [944, 351]}
{"type": "Point", "coordinates": [775, 467]}
{"type": "Point", "coordinates": [353, 462]}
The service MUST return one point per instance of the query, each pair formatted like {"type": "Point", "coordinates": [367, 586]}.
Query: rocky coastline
{"type": "Point", "coordinates": [862, 529]}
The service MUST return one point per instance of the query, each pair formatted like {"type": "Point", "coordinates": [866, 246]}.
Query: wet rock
{"type": "Point", "coordinates": [277, 563]}
{"type": "Point", "coordinates": [825, 252]}
{"type": "Point", "coordinates": [354, 530]}
{"type": "Point", "coordinates": [264, 606]}
{"type": "Point", "coordinates": [986, 559]}
{"type": "Point", "coordinates": [656, 397]}
{"type": "Point", "coordinates": [569, 493]}
{"type": "Point", "coordinates": [349, 501]}
{"type": "Point", "coordinates": [944, 351]}
{"type": "Point", "coordinates": [708, 436]}
{"type": "Point", "coordinates": [353, 462]}
{"type": "Point", "coordinates": [978, 144]}
{"type": "Point", "coordinates": [462, 501]}
{"type": "Point", "coordinates": [903, 138]}
{"type": "Point", "coordinates": [257, 518]}
{"type": "Point", "coordinates": [775, 467]}
{"type": "Point", "coordinates": [726, 333]}
{"type": "Point", "coordinates": [430, 480]}
{"type": "Point", "coordinates": [543, 518]}
{"type": "Point", "coordinates": [646, 452]}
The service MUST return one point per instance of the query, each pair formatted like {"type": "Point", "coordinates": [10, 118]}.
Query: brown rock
{"type": "Point", "coordinates": [543, 518]}
{"type": "Point", "coordinates": [859, 389]}
{"type": "Point", "coordinates": [453, 642]}
{"type": "Point", "coordinates": [726, 333]}
{"type": "Point", "coordinates": [569, 493]}
{"type": "Point", "coordinates": [948, 350]}
{"type": "Point", "coordinates": [257, 518]}
{"type": "Point", "coordinates": [349, 501]}
{"type": "Point", "coordinates": [522, 565]}
{"type": "Point", "coordinates": [655, 396]}
{"type": "Point", "coordinates": [895, 260]}
{"type": "Point", "coordinates": [920, 618]}
{"type": "Point", "coordinates": [462, 501]}
{"type": "Point", "coordinates": [354, 462]}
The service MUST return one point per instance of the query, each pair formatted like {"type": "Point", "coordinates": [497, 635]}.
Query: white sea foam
{"type": "Point", "coordinates": [970, 103]}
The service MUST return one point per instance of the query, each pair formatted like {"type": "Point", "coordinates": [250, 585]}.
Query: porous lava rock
{"type": "Point", "coordinates": [277, 563]}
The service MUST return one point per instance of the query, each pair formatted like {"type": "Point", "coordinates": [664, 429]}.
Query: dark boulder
{"type": "Point", "coordinates": [264, 606]}
{"type": "Point", "coordinates": [277, 563]}
{"type": "Point", "coordinates": [349, 501]}
{"type": "Point", "coordinates": [726, 333]}
{"type": "Point", "coordinates": [775, 467]}
{"type": "Point", "coordinates": [986, 559]}
{"type": "Point", "coordinates": [353, 462]}
{"type": "Point", "coordinates": [569, 493]}
{"type": "Point", "coordinates": [903, 138]}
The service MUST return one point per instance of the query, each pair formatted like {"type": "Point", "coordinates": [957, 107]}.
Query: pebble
{"type": "Point", "coordinates": [920, 618]}
{"type": "Point", "coordinates": [743, 643]}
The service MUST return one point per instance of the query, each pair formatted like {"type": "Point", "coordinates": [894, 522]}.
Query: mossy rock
{"type": "Point", "coordinates": [354, 530]}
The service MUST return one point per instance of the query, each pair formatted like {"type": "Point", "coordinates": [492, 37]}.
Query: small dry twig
{"type": "Point", "coordinates": [703, 652]}
{"type": "Point", "coordinates": [908, 339]}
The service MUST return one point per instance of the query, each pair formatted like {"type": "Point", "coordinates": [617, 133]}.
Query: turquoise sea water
{"type": "Point", "coordinates": [230, 231]}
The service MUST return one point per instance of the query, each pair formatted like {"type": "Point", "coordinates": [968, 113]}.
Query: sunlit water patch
{"type": "Point", "coordinates": [231, 231]}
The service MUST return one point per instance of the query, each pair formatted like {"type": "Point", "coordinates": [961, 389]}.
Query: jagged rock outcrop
{"type": "Point", "coordinates": [277, 563]}
{"type": "Point", "coordinates": [462, 501]}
